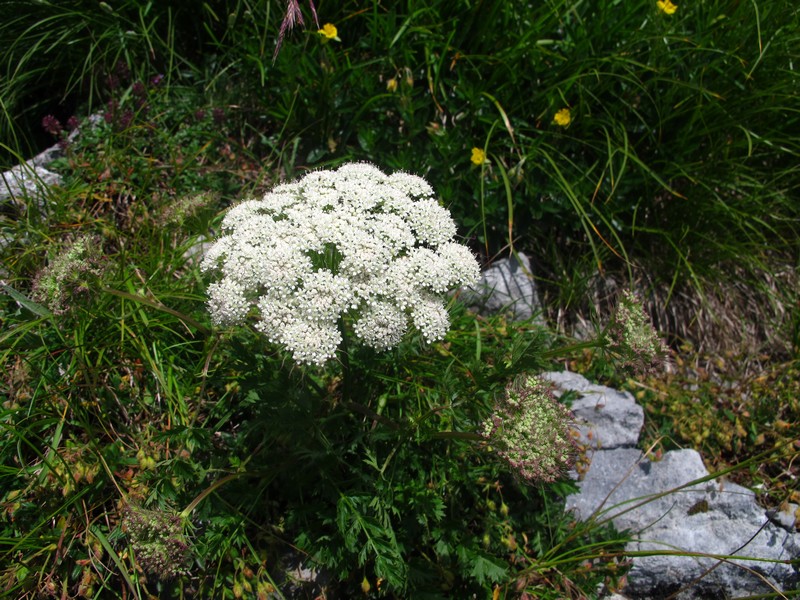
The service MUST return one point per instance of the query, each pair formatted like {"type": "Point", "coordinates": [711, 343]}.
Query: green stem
{"type": "Point", "coordinates": [220, 482]}
{"type": "Point", "coordinates": [344, 357]}
{"type": "Point", "coordinates": [368, 412]}
{"type": "Point", "coordinates": [565, 350]}
{"type": "Point", "coordinates": [458, 435]}
{"type": "Point", "coordinates": [159, 306]}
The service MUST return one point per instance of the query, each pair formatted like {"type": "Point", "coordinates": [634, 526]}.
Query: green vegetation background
{"type": "Point", "coordinates": [676, 172]}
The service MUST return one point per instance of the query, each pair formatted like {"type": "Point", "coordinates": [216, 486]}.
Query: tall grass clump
{"type": "Point", "coordinates": [661, 145]}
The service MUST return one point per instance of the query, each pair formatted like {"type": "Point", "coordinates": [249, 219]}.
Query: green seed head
{"type": "Point", "coordinates": [532, 431]}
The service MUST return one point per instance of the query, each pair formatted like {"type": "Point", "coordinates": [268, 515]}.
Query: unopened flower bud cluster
{"type": "Point", "coordinates": [633, 338]}
{"type": "Point", "coordinates": [158, 541]}
{"type": "Point", "coordinates": [354, 242]}
{"type": "Point", "coordinates": [532, 431]}
{"type": "Point", "coordinates": [74, 272]}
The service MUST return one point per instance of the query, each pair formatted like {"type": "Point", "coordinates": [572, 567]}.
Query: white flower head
{"type": "Point", "coordinates": [411, 185]}
{"type": "Point", "coordinates": [430, 317]}
{"type": "Point", "coordinates": [431, 222]}
{"type": "Point", "coordinates": [351, 247]}
{"type": "Point", "coordinates": [381, 325]}
{"type": "Point", "coordinates": [227, 302]}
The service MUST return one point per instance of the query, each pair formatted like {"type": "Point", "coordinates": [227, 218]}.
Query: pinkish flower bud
{"type": "Point", "coordinates": [52, 125]}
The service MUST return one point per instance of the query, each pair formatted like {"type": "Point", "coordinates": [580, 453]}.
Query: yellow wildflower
{"type": "Point", "coordinates": [391, 85]}
{"type": "Point", "coordinates": [667, 7]}
{"type": "Point", "coordinates": [329, 32]}
{"type": "Point", "coordinates": [563, 117]}
{"type": "Point", "coordinates": [478, 156]}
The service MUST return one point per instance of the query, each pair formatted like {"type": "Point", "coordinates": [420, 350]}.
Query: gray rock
{"type": "Point", "coordinates": [32, 179]}
{"type": "Point", "coordinates": [27, 181]}
{"type": "Point", "coordinates": [786, 516]}
{"type": "Point", "coordinates": [24, 185]}
{"type": "Point", "coordinates": [690, 521]}
{"type": "Point", "coordinates": [607, 418]}
{"type": "Point", "coordinates": [702, 543]}
{"type": "Point", "coordinates": [707, 523]}
{"type": "Point", "coordinates": [633, 491]}
{"type": "Point", "coordinates": [46, 157]}
{"type": "Point", "coordinates": [508, 287]}
{"type": "Point", "coordinates": [196, 252]}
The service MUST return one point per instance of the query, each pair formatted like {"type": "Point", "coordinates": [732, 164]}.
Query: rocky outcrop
{"type": "Point", "coordinates": [607, 418]}
{"type": "Point", "coordinates": [693, 535]}
{"type": "Point", "coordinates": [32, 179]}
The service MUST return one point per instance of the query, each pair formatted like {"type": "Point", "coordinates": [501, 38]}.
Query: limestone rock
{"type": "Point", "coordinates": [607, 418]}
{"type": "Point", "coordinates": [27, 180]}
{"type": "Point", "coordinates": [690, 521]}
{"type": "Point", "coordinates": [506, 286]}
{"type": "Point", "coordinates": [32, 179]}
{"type": "Point", "coordinates": [787, 516]}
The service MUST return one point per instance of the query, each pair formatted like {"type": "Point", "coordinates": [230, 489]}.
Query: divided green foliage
{"type": "Point", "coordinates": [156, 413]}
{"type": "Point", "coordinates": [384, 478]}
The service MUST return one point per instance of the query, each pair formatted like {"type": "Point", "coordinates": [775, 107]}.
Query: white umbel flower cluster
{"type": "Point", "coordinates": [377, 249]}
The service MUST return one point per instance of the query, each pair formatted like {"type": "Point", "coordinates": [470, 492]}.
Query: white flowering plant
{"type": "Point", "coordinates": [351, 246]}
{"type": "Point", "coordinates": [357, 254]}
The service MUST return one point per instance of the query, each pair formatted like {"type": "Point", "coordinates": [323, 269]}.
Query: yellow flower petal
{"type": "Point", "coordinates": [478, 156]}
{"type": "Point", "coordinates": [667, 7]}
{"type": "Point", "coordinates": [563, 117]}
{"type": "Point", "coordinates": [329, 31]}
